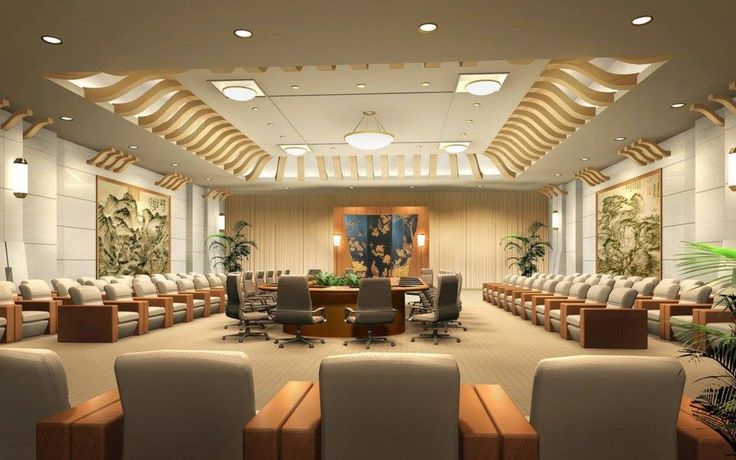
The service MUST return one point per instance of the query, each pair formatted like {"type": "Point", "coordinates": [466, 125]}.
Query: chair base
{"type": "Point", "coordinates": [246, 332]}
{"type": "Point", "coordinates": [369, 340]}
{"type": "Point", "coordinates": [298, 338]}
{"type": "Point", "coordinates": [239, 324]}
{"type": "Point", "coordinates": [436, 335]}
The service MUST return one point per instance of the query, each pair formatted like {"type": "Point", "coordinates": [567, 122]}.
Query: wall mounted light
{"type": "Point", "coordinates": [20, 178]}
{"type": "Point", "coordinates": [221, 222]}
{"type": "Point", "coordinates": [731, 169]}
{"type": "Point", "coordinates": [556, 220]}
{"type": "Point", "coordinates": [421, 239]}
{"type": "Point", "coordinates": [336, 239]}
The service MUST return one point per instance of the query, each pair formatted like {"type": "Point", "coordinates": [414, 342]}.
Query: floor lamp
{"type": "Point", "coordinates": [336, 246]}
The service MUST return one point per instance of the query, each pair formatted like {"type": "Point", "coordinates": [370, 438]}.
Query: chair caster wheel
{"type": "Point", "coordinates": [225, 327]}
{"type": "Point", "coordinates": [281, 345]}
{"type": "Point", "coordinates": [267, 339]}
{"type": "Point", "coordinates": [240, 341]}
{"type": "Point", "coordinates": [458, 340]}
{"type": "Point", "coordinates": [465, 329]}
{"type": "Point", "coordinates": [322, 340]}
{"type": "Point", "coordinates": [367, 347]}
{"type": "Point", "coordinates": [223, 337]}
{"type": "Point", "coordinates": [311, 346]}
{"type": "Point", "coordinates": [345, 344]}
{"type": "Point", "coordinates": [276, 341]}
{"type": "Point", "coordinates": [393, 344]}
{"type": "Point", "coordinates": [412, 340]}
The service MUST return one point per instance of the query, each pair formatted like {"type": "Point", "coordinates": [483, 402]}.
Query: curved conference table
{"type": "Point", "coordinates": [334, 299]}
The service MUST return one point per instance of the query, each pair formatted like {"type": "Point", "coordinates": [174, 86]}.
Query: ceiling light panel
{"type": "Point", "coordinates": [479, 81]}
{"type": "Point", "coordinates": [454, 147]}
{"type": "Point", "coordinates": [221, 85]}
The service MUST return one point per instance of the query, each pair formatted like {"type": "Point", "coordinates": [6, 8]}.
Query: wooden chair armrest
{"type": "Point", "coordinates": [199, 295]}
{"type": "Point", "coordinates": [166, 302]}
{"type": "Point", "coordinates": [185, 298]}
{"type": "Point", "coordinates": [518, 437]}
{"type": "Point", "coordinates": [300, 435]}
{"type": "Point", "coordinates": [705, 316]}
{"type": "Point", "coordinates": [54, 433]}
{"type": "Point", "coordinates": [651, 304]}
{"type": "Point", "coordinates": [138, 306]}
{"type": "Point", "coordinates": [555, 302]}
{"type": "Point", "coordinates": [527, 296]}
{"type": "Point", "coordinates": [679, 309]}
{"type": "Point", "coordinates": [12, 315]}
{"type": "Point", "coordinates": [696, 440]}
{"type": "Point", "coordinates": [573, 308]}
{"type": "Point", "coordinates": [479, 438]}
{"type": "Point", "coordinates": [88, 323]}
{"type": "Point", "coordinates": [538, 299]}
{"type": "Point", "coordinates": [261, 436]}
{"type": "Point", "coordinates": [39, 305]}
{"type": "Point", "coordinates": [642, 297]}
{"type": "Point", "coordinates": [100, 434]}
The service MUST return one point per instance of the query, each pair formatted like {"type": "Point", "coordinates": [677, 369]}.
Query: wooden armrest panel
{"type": "Point", "coordinates": [54, 433]}
{"type": "Point", "coordinates": [651, 304]}
{"type": "Point", "coordinates": [261, 437]}
{"type": "Point", "coordinates": [479, 438]}
{"type": "Point", "coordinates": [538, 299]}
{"type": "Point", "coordinates": [12, 315]}
{"type": "Point", "coordinates": [697, 441]}
{"type": "Point", "coordinates": [300, 435]}
{"type": "Point", "coordinates": [51, 306]}
{"type": "Point", "coordinates": [680, 309]}
{"type": "Point", "coordinates": [573, 308]}
{"type": "Point", "coordinates": [136, 306]}
{"type": "Point", "coordinates": [518, 437]}
{"type": "Point", "coordinates": [99, 435]}
{"type": "Point", "coordinates": [88, 323]}
{"type": "Point", "coordinates": [613, 328]}
{"type": "Point", "coordinates": [708, 315]}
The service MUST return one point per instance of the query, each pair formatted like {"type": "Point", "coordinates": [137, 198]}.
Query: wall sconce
{"type": "Point", "coordinates": [336, 240]}
{"type": "Point", "coordinates": [732, 169]}
{"type": "Point", "coordinates": [221, 222]}
{"type": "Point", "coordinates": [20, 178]}
{"type": "Point", "coordinates": [421, 239]}
{"type": "Point", "coordinates": [556, 220]}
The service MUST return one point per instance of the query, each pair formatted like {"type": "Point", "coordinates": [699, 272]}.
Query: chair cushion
{"type": "Point", "coordinates": [540, 308]}
{"type": "Point", "coordinates": [198, 303]}
{"type": "Point", "coordinates": [554, 314]}
{"type": "Point", "coordinates": [653, 315]}
{"type": "Point", "coordinates": [722, 327]}
{"type": "Point", "coordinates": [127, 316]}
{"type": "Point", "coordinates": [528, 304]}
{"type": "Point", "coordinates": [424, 317]}
{"type": "Point", "coordinates": [179, 306]}
{"type": "Point", "coordinates": [156, 311]}
{"type": "Point", "coordinates": [681, 319]}
{"type": "Point", "coordinates": [3, 321]}
{"type": "Point", "coordinates": [573, 320]}
{"type": "Point", "coordinates": [254, 316]}
{"type": "Point", "coordinates": [31, 316]}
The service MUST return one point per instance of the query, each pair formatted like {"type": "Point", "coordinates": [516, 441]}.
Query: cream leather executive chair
{"type": "Point", "coordinates": [157, 385]}
{"type": "Point", "coordinates": [90, 319]}
{"type": "Point", "coordinates": [180, 307]}
{"type": "Point", "coordinates": [580, 411]}
{"type": "Point", "coordinates": [577, 291]}
{"type": "Point", "coordinates": [445, 308]}
{"type": "Point", "coordinates": [200, 300]}
{"type": "Point", "coordinates": [62, 291]}
{"type": "Point", "coordinates": [40, 309]}
{"type": "Point", "coordinates": [157, 316]}
{"type": "Point", "coordinates": [216, 295]}
{"type": "Point", "coordinates": [99, 284]}
{"type": "Point", "coordinates": [169, 288]}
{"type": "Point", "coordinates": [597, 294]}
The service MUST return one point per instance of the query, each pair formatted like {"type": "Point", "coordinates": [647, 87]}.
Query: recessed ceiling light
{"type": "Point", "coordinates": [66, 118]}
{"type": "Point", "coordinates": [294, 87]}
{"type": "Point", "coordinates": [255, 108]}
{"type": "Point", "coordinates": [207, 178]}
{"type": "Point", "coordinates": [454, 147]}
{"type": "Point", "coordinates": [480, 186]}
{"type": "Point", "coordinates": [477, 104]}
{"type": "Point", "coordinates": [239, 93]}
{"type": "Point", "coordinates": [463, 134]}
{"type": "Point", "coordinates": [360, 85]}
{"type": "Point", "coordinates": [558, 174]}
{"type": "Point", "coordinates": [425, 83]}
{"type": "Point", "coordinates": [51, 40]}
{"type": "Point", "coordinates": [243, 33]}
{"type": "Point", "coordinates": [352, 187]}
{"type": "Point", "coordinates": [286, 189]}
{"type": "Point", "coordinates": [271, 124]}
{"type": "Point", "coordinates": [642, 20]}
{"type": "Point", "coordinates": [678, 105]}
{"type": "Point", "coordinates": [482, 87]}
{"type": "Point", "coordinates": [175, 165]}
{"type": "Point", "coordinates": [133, 147]}
{"type": "Point", "coordinates": [427, 27]}
{"type": "Point", "coordinates": [468, 121]}
{"type": "Point", "coordinates": [295, 150]}
{"type": "Point", "coordinates": [584, 158]}
{"type": "Point", "coordinates": [619, 138]}
{"type": "Point", "coordinates": [282, 137]}
{"type": "Point", "coordinates": [411, 186]}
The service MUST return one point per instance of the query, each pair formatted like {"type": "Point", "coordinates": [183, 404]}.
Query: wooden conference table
{"type": "Point", "coordinates": [334, 299]}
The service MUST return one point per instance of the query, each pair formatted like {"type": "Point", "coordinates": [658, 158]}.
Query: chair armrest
{"type": "Point", "coordinates": [318, 310]}
{"type": "Point", "coordinates": [300, 435]}
{"type": "Point", "coordinates": [538, 299]}
{"type": "Point", "coordinates": [88, 323]}
{"type": "Point", "coordinates": [527, 296]}
{"type": "Point", "coordinates": [518, 437]}
{"type": "Point", "coordinates": [347, 312]}
{"type": "Point", "coordinates": [136, 306]}
{"type": "Point", "coordinates": [166, 302]}
{"type": "Point", "coordinates": [554, 303]}
{"type": "Point", "coordinates": [479, 438]}
{"type": "Point", "coordinates": [261, 436]}
{"type": "Point", "coordinates": [573, 308]}
{"type": "Point", "coordinates": [705, 316]}
{"type": "Point", "coordinates": [54, 438]}
{"type": "Point", "coordinates": [12, 315]}
{"type": "Point", "coordinates": [696, 440]}
{"type": "Point", "coordinates": [185, 298]}
{"type": "Point", "coordinates": [668, 310]}
{"type": "Point", "coordinates": [651, 304]}
{"type": "Point", "coordinates": [39, 305]}
{"type": "Point", "coordinates": [613, 328]}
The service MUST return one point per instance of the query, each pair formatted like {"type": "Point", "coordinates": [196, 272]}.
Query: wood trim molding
{"type": "Point", "coordinates": [552, 190]}
{"type": "Point", "coordinates": [725, 101]}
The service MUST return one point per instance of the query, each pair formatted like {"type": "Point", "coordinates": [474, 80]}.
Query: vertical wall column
{"type": "Point", "coordinates": [196, 229]}
{"type": "Point", "coordinates": [709, 182]}
{"type": "Point", "coordinates": [212, 209]}
{"type": "Point", "coordinates": [557, 259]}
{"type": "Point", "coordinates": [729, 210]}
{"type": "Point", "coordinates": [572, 227]}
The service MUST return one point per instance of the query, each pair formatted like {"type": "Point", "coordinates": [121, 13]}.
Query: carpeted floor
{"type": "Point", "coordinates": [498, 348]}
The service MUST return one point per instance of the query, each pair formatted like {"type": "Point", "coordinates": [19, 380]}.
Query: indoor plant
{"type": "Point", "coordinates": [230, 250]}
{"type": "Point", "coordinates": [528, 248]}
{"type": "Point", "coordinates": [325, 279]}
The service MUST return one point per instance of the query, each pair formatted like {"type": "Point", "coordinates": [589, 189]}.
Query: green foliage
{"type": "Point", "coordinates": [230, 250]}
{"type": "Point", "coordinates": [528, 249]}
{"type": "Point", "coordinates": [330, 279]}
{"type": "Point", "coordinates": [701, 259]}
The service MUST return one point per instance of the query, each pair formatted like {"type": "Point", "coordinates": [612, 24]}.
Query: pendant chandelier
{"type": "Point", "coordinates": [369, 134]}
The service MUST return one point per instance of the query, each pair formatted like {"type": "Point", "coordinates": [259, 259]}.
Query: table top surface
{"type": "Point", "coordinates": [347, 289]}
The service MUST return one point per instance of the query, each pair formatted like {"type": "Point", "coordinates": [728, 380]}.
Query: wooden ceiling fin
{"type": "Point", "coordinates": [300, 169]}
{"type": "Point", "coordinates": [321, 167]}
{"type": "Point", "coordinates": [384, 167]}
{"type": "Point", "coordinates": [474, 166]}
{"type": "Point", "coordinates": [725, 101]}
{"type": "Point", "coordinates": [454, 173]}
{"type": "Point", "coordinates": [337, 167]}
{"type": "Point", "coordinates": [417, 167]}
{"type": "Point", "coordinates": [36, 127]}
{"type": "Point", "coordinates": [432, 165]}
{"type": "Point", "coordinates": [401, 166]}
{"type": "Point", "coordinates": [369, 166]}
{"type": "Point", "coordinates": [709, 113]}
{"type": "Point", "coordinates": [280, 168]}
{"type": "Point", "coordinates": [15, 118]}
{"type": "Point", "coordinates": [354, 167]}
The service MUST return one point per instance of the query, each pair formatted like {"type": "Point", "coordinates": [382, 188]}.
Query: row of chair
{"type": "Point", "coordinates": [364, 406]}
{"type": "Point", "coordinates": [601, 311]}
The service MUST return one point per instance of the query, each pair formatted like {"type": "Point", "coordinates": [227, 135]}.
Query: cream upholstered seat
{"type": "Point", "coordinates": [543, 284]}
{"type": "Point", "coordinates": [623, 283]}
{"type": "Point", "coordinates": [645, 287]}
{"type": "Point", "coordinates": [171, 276]}
{"type": "Point", "coordinates": [578, 291]}
{"type": "Point", "coordinates": [580, 410]}
{"type": "Point", "coordinates": [202, 284]}
{"type": "Point", "coordinates": [595, 295]}
{"type": "Point", "coordinates": [562, 289]}
{"type": "Point", "coordinates": [183, 311]}
{"type": "Point", "coordinates": [666, 290]}
{"type": "Point", "coordinates": [99, 284]}
{"type": "Point", "coordinates": [121, 292]}
{"type": "Point", "coordinates": [548, 288]}
{"type": "Point", "coordinates": [99, 321]}
{"type": "Point", "coordinates": [39, 309]}
{"type": "Point", "coordinates": [142, 276]}
{"type": "Point", "coordinates": [619, 297]}
{"type": "Point", "coordinates": [200, 305]}
{"type": "Point", "coordinates": [62, 291]}
{"type": "Point", "coordinates": [361, 420]}
{"type": "Point", "coordinates": [690, 294]}
{"type": "Point", "coordinates": [157, 277]}
{"type": "Point", "coordinates": [158, 385]}
{"type": "Point", "coordinates": [35, 387]}
{"type": "Point", "coordinates": [107, 278]}
{"type": "Point", "coordinates": [126, 280]}
{"type": "Point", "coordinates": [146, 290]}
{"type": "Point", "coordinates": [82, 280]}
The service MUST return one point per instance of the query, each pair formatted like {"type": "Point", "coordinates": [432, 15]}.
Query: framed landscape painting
{"type": "Point", "coordinates": [133, 229]}
{"type": "Point", "coordinates": [629, 227]}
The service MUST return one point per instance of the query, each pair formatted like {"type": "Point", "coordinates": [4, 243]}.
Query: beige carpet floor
{"type": "Point", "coordinates": [497, 348]}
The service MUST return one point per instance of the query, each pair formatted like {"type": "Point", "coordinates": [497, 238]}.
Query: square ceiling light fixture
{"type": "Point", "coordinates": [480, 84]}
{"type": "Point", "coordinates": [238, 90]}
{"type": "Point", "coordinates": [454, 147]}
{"type": "Point", "coordinates": [295, 150]}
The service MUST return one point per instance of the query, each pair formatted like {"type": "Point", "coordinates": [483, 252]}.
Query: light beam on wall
{"type": "Point", "coordinates": [556, 220]}
{"type": "Point", "coordinates": [421, 239]}
{"type": "Point", "coordinates": [221, 222]}
{"type": "Point", "coordinates": [336, 239]}
{"type": "Point", "coordinates": [732, 169]}
{"type": "Point", "coordinates": [20, 178]}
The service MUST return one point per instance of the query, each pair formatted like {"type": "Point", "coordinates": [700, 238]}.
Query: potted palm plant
{"type": "Point", "coordinates": [715, 406]}
{"type": "Point", "coordinates": [528, 249]}
{"type": "Point", "coordinates": [230, 250]}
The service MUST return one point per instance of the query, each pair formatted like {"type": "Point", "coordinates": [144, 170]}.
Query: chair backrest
{"type": "Point", "coordinates": [578, 406]}
{"type": "Point", "coordinates": [185, 284]}
{"type": "Point", "coordinates": [249, 286]}
{"type": "Point", "coordinates": [143, 277]}
{"type": "Point", "coordinates": [635, 279]}
{"type": "Point", "coordinates": [63, 285]}
{"type": "Point", "coordinates": [119, 291]}
{"type": "Point", "coordinates": [35, 387]}
{"type": "Point", "coordinates": [512, 280]}
{"type": "Point", "coordinates": [689, 283]}
{"type": "Point", "coordinates": [569, 277]}
{"type": "Point", "coordinates": [157, 385]}
{"type": "Point", "coordinates": [99, 284]}
{"type": "Point", "coordinates": [623, 282]}
{"type": "Point", "coordinates": [427, 276]}
{"type": "Point", "coordinates": [10, 285]}
{"type": "Point", "coordinates": [126, 280]}
{"type": "Point", "coordinates": [232, 286]}
{"type": "Point", "coordinates": [598, 294]}
{"type": "Point", "coordinates": [529, 282]}
{"type": "Point", "coordinates": [581, 278]}
{"type": "Point", "coordinates": [167, 287]}
{"type": "Point", "coordinates": [145, 288]}
{"type": "Point", "coordinates": [157, 277]}
{"type": "Point", "coordinates": [7, 297]}
{"type": "Point", "coordinates": [223, 277]}
{"type": "Point", "coordinates": [374, 297]}
{"type": "Point", "coordinates": [260, 278]}
{"type": "Point", "coordinates": [695, 294]}
{"type": "Point", "coordinates": [68, 281]}
{"type": "Point", "coordinates": [82, 280]}
{"type": "Point", "coordinates": [35, 290]}
{"type": "Point", "coordinates": [184, 275]}
{"type": "Point", "coordinates": [313, 271]}
{"type": "Point", "coordinates": [666, 290]}
{"type": "Point", "coordinates": [200, 282]}
{"type": "Point", "coordinates": [446, 306]}
{"type": "Point", "coordinates": [171, 276]}
{"type": "Point", "coordinates": [644, 287]}
{"type": "Point", "coordinates": [269, 277]}
{"type": "Point", "coordinates": [539, 283]}
{"type": "Point", "coordinates": [357, 427]}
{"type": "Point", "coordinates": [550, 285]}
{"type": "Point", "coordinates": [621, 297]}
{"type": "Point", "coordinates": [107, 278]}
{"type": "Point", "coordinates": [619, 277]}
{"type": "Point", "coordinates": [579, 290]}
{"type": "Point", "coordinates": [214, 281]}
{"type": "Point", "coordinates": [293, 295]}
{"type": "Point", "coordinates": [563, 288]}
{"type": "Point", "coordinates": [86, 295]}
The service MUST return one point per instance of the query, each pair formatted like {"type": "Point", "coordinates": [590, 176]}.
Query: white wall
{"type": "Point", "coordinates": [56, 221]}
{"type": "Point", "coordinates": [696, 203]}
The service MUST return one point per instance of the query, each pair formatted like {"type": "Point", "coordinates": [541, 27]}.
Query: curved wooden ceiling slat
{"type": "Point", "coordinates": [529, 130]}
{"type": "Point", "coordinates": [560, 113]}
{"type": "Point", "coordinates": [167, 110]}
{"type": "Point", "coordinates": [589, 95]}
{"type": "Point", "coordinates": [600, 76]}
{"type": "Point", "coordinates": [542, 128]}
{"type": "Point", "coordinates": [221, 144]}
{"type": "Point", "coordinates": [542, 119]}
{"type": "Point", "coordinates": [512, 148]}
{"type": "Point", "coordinates": [240, 146]}
{"type": "Point", "coordinates": [195, 138]}
{"type": "Point", "coordinates": [513, 161]}
{"type": "Point", "coordinates": [192, 124]}
{"type": "Point", "coordinates": [500, 165]}
{"type": "Point", "coordinates": [258, 168]}
{"type": "Point", "coordinates": [522, 141]}
{"type": "Point", "coordinates": [145, 100]}
{"type": "Point", "coordinates": [563, 100]}
{"type": "Point", "coordinates": [121, 87]}
{"type": "Point", "coordinates": [181, 116]}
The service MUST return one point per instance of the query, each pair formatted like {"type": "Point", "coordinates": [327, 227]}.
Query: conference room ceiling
{"type": "Point", "coordinates": [291, 38]}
